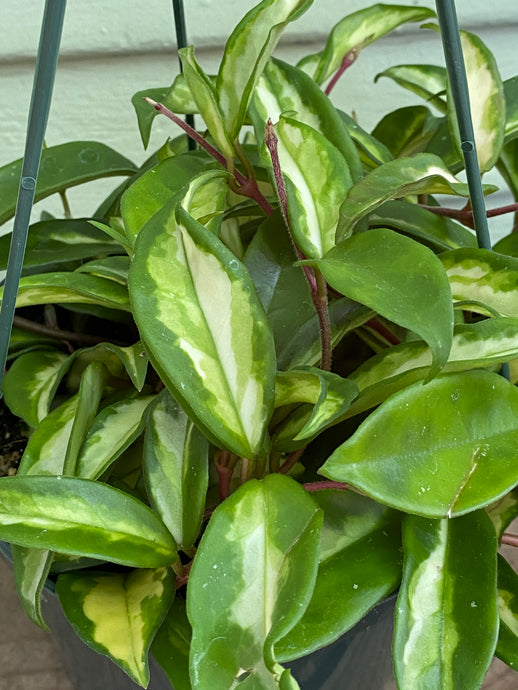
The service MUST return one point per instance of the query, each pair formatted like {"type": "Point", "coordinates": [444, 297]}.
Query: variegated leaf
{"type": "Point", "coordinates": [487, 101]}
{"type": "Point", "coordinates": [372, 152]}
{"type": "Point", "coordinates": [359, 564]}
{"type": "Point", "coordinates": [317, 179]}
{"type": "Point", "coordinates": [511, 108]}
{"type": "Point", "coordinates": [113, 430]}
{"type": "Point", "coordinates": [423, 173]}
{"type": "Point", "coordinates": [205, 198]}
{"type": "Point", "coordinates": [84, 518]}
{"type": "Point", "coordinates": [111, 267]}
{"type": "Point", "coordinates": [259, 557]}
{"type": "Point", "coordinates": [172, 645]}
{"type": "Point", "coordinates": [284, 88]}
{"type": "Point", "coordinates": [31, 383]}
{"type": "Point", "coordinates": [330, 394]}
{"type": "Point", "coordinates": [427, 81]}
{"type": "Point", "coordinates": [137, 603]}
{"type": "Point", "coordinates": [462, 430]}
{"type": "Point", "coordinates": [484, 277]}
{"type": "Point", "coordinates": [358, 30]}
{"type": "Point", "coordinates": [507, 645]}
{"type": "Point", "coordinates": [118, 360]}
{"type": "Point", "coordinates": [206, 99]}
{"type": "Point", "coordinates": [503, 512]}
{"type": "Point", "coordinates": [446, 622]}
{"type": "Point", "coordinates": [205, 329]}
{"type": "Point", "coordinates": [176, 469]}
{"type": "Point", "coordinates": [49, 288]}
{"type": "Point", "coordinates": [408, 130]}
{"type": "Point", "coordinates": [400, 279]}
{"type": "Point", "coordinates": [246, 53]}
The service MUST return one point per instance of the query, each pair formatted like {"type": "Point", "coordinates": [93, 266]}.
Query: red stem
{"type": "Point", "coordinates": [380, 328]}
{"type": "Point", "coordinates": [465, 216]}
{"type": "Point", "coordinates": [348, 60]}
{"type": "Point", "coordinates": [510, 539]}
{"type": "Point", "coordinates": [291, 460]}
{"type": "Point", "coordinates": [320, 486]}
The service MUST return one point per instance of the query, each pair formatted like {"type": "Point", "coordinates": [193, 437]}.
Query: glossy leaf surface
{"type": "Point", "coordinates": [251, 581]}
{"type": "Point", "coordinates": [452, 442]}
{"type": "Point", "coordinates": [359, 564]}
{"type": "Point", "coordinates": [478, 275]}
{"type": "Point", "coordinates": [446, 621]}
{"type": "Point", "coordinates": [400, 279]}
{"type": "Point", "coordinates": [31, 568]}
{"type": "Point", "coordinates": [427, 81]}
{"type": "Point", "coordinates": [137, 603]}
{"type": "Point", "coordinates": [214, 349]}
{"type": "Point", "coordinates": [358, 30]}
{"type": "Point", "coordinates": [111, 267]}
{"type": "Point", "coordinates": [145, 113]}
{"type": "Point", "coordinates": [407, 131]}
{"type": "Point", "coordinates": [31, 382]}
{"type": "Point", "coordinates": [246, 54]}
{"type": "Point", "coordinates": [317, 179]}
{"type": "Point", "coordinates": [85, 518]}
{"type": "Point", "coordinates": [503, 512]}
{"type": "Point", "coordinates": [507, 646]}
{"type": "Point", "coordinates": [61, 167]}
{"type": "Point", "coordinates": [172, 645]}
{"type": "Point", "coordinates": [487, 101]}
{"type": "Point", "coordinates": [175, 467]}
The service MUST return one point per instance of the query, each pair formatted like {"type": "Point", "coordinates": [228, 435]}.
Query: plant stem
{"type": "Point", "coordinates": [225, 473]}
{"type": "Point", "coordinates": [291, 460]}
{"type": "Point", "coordinates": [465, 215]}
{"type": "Point", "coordinates": [320, 486]}
{"type": "Point", "coordinates": [59, 334]}
{"type": "Point", "coordinates": [321, 307]}
{"type": "Point", "coordinates": [347, 61]}
{"type": "Point", "coordinates": [510, 539]}
{"type": "Point", "coordinates": [380, 328]}
{"type": "Point", "coordinates": [66, 206]}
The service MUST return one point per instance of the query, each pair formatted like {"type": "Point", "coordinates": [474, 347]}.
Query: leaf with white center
{"type": "Point", "coordinates": [359, 564]}
{"type": "Point", "coordinates": [205, 198]}
{"type": "Point", "coordinates": [206, 99]}
{"type": "Point", "coordinates": [442, 449]}
{"type": "Point", "coordinates": [49, 288]}
{"type": "Point", "coordinates": [31, 382]}
{"type": "Point", "coordinates": [205, 329]}
{"type": "Point", "coordinates": [427, 81]}
{"type": "Point", "coordinates": [442, 233]}
{"type": "Point", "coordinates": [246, 53]}
{"type": "Point", "coordinates": [317, 179]}
{"type": "Point", "coordinates": [157, 186]}
{"type": "Point", "coordinates": [176, 469]}
{"type": "Point", "coordinates": [424, 173]}
{"type": "Point", "coordinates": [507, 645]}
{"type": "Point", "coordinates": [118, 614]}
{"type": "Point", "coordinates": [84, 518]}
{"type": "Point", "coordinates": [475, 345]}
{"type": "Point", "coordinates": [113, 430]}
{"type": "Point", "coordinates": [487, 101]}
{"type": "Point", "coordinates": [358, 30]}
{"type": "Point", "coordinates": [172, 645]}
{"type": "Point", "coordinates": [400, 279]}
{"type": "Point", "coordinates": [446, 622]}
{"type": "Point", "coordinates": [330, 394]}
{"type": "Point", "coordinates": [251, 581]}
{"type": "Point", "coordinates": [284, 88]}
{"type": "Point", "coordinates": [489, 278]}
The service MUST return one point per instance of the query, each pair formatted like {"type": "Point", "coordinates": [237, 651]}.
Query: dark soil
{"type": "Point", "coordinates": [13, 439]}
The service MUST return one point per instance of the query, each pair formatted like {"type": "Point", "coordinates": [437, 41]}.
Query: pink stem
{"type": "Point", "coordinates": [510, 539]}
{"type": "Point", "coordinates": [320, 486]}
{"type": "Point", "coordinates": [348, 60]}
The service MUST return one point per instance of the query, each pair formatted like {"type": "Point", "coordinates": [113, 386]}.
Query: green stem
{"type": "Point", "coordinates": [66, 206]}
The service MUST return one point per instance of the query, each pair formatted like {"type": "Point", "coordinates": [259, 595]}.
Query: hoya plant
{"type": "Point", "coordinates": [262, 382]}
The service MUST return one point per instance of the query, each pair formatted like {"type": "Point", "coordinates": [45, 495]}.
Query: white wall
{"type": "Point", "coordinates": [112, 48]}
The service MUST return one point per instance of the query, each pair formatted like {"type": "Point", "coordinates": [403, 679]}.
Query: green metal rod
{"type": "Point", "coordinates": [48, 51]}
{"type": "Point", "coordinates": [181, 42]}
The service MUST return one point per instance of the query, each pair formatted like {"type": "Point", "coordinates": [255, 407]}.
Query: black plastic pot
{"type": "Point", "coordinates": [359, 660]}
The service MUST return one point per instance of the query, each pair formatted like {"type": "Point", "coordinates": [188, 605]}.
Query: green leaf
{"type": "Point", "coordinates": [114, 232]}
{"type": "Point", "coordinates": [58, 241]}
{"type": "Point", "coordinates": [175, 468]}
{"type": "Point", "coordinates": [451, 442]}
{"type": "Point", "coordinates": [251, 581]}
{"type": "Point", "coordinates": [359, 564]}
{"type": "Point", "coordinates": [423, 173]}
{"type": "Point", "coordinates": [133, 358]}
{"type": "Point", "coordinates": [84, 518]}
{"type": "Point", "coordinates": [400, 279]}
{"type": "Point", "coordinates": [113, 430]}
{"type": "Point", "coordinates": [172, 645]}
{"type": "Point", "coordinates": [246, 53]}
{"type": "Point", "coordinates": [145, 113]}
{"type": "Point", "coordinates": [442, 233]}
{"type": "Point", "coordinates": [358, 30]}
{"type": "Point", "coordinates": [407, 131]}
{"type": "Point", "coordinates": [507, 245]}
{"type": "Point", "coordinates": [511, 108]}
{"type": "Point", "coordinates": [31, 383]}
{"type": "Point", "coordinates": [503, 512]}
{"type": "Point", "coordinates": [150, 192]}
{"type": "Point", "coordinates": [479, 275]}
{"type": "Point", "coordinates": [49, 288]}
{"type": "Point", "coordinates": [507, 645]}
{"type": "Point", "coordinates": [330, 394]}
{"type": "Point", "coordinates": [205, 198]}
{"type": "Point", "coordinates": [31, 568]}
{"type": "Point", "coordinates": [446, 622]}
{"type": "Point", "coordinates": [508, 167]}
{"type": "Point", "coordinates": [204, 94]}
{"type": "Point", "coordinates": [214, 349]}
{"type": "Point", "coordinates": [284, 88]}
{"type": "Point", "coordinates": [317, 179]}
{"type": "Point", "coordinates": [62, 167]}
{"type": "Point", "coordinates": [487, 101]}
{"type": "Point", "coordinates": [118, 614]}
{"type": "Point", "coordinates": [427, 81]}
{"type": "Point", "coordinates": [112, 267]}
